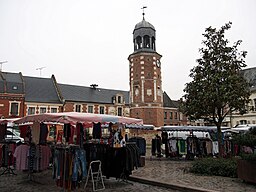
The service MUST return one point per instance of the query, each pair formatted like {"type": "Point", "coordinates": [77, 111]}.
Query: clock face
{"type": "Point", "coordinates": [158, 63]}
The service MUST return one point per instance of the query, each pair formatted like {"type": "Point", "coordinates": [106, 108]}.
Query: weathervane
{"type": "Point", "coordinates": [144, 7]}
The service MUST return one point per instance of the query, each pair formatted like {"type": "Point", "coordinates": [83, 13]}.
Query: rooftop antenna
{"type": "Point", "coordinates": [1, 63]}
{"type": "Point", "coordinates": [143, 13]}
{"type": "Point", "coordinates": [40, 69]}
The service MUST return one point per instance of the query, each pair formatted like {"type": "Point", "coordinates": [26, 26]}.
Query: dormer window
{"type": "Point", "coordinates": [119, 99]}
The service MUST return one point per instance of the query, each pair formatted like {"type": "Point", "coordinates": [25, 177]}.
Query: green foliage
{"type": "Point", "coordinates": [217, 87]}
{"type": "Point", "coordinates": [245, 139]}
{"type": "Point", "coordinates": [218, 167]}
{"type": "Point", "coordinates": [249, 157]}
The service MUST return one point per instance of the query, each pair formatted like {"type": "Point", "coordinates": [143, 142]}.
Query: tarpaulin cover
{"type": "Point", "coordinates": [74, 117]}
{"type": "Point", "coordinates": [191, 128]}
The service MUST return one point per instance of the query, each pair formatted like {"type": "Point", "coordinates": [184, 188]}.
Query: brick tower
{"type": "Point", "coordinates": [146, 95]}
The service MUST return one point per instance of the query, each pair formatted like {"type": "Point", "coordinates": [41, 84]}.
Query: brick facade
{"type": "Point", "coordinates": [5, 105]}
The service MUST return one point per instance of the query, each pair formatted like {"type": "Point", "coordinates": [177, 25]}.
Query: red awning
{"type": "Point", "coordinates": [74, 117]}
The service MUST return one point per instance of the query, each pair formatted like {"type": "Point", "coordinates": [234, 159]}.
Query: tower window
{"type": "Point", "coordinates": [138, 42]}
{"type": "Point", "coordinates": [170, 115]}
{"type": "Point", "coordinates": [165, 115]}
{"type": "Point", "coordinates": [146, 41]}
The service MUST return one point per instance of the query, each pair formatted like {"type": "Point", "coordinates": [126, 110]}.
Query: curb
{"type": "Point", "coordinates": [168, 185]}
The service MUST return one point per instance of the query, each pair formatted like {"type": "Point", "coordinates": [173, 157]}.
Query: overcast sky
{"type": "Point", "coordinates": [83, 42]}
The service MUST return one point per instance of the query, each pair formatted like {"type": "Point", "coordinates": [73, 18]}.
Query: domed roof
{"type": "Point", "coordinates": [144, 24]}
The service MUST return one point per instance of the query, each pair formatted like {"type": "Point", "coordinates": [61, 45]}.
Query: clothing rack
{"type": "Point", "coordinates": [66, 158]}
{"type": "Point", "coordinates": [30, 165]}
{"type": "Point", "coordinates": [8, 169]}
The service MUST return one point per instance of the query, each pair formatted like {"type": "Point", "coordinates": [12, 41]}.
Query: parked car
{"type": "Point", "coordinates": [13, 135]}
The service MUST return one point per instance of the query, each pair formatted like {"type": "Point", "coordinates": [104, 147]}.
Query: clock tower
{"type": "Point", "coordinates": [146, 95]}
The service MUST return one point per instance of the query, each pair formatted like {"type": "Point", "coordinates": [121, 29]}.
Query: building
{"type": "Point", "coordinates": [147, 100]}
{"type": "Point", "coordinates": [94, 100]}
{"type": "Point", "coordinates": [23, 95]}
{"type": "Point", "coordinates": [250, 116]}
{"type": "Point", "coordinates": [145, 76]}
{"type": "Point", "coordinates": [12, 95]}
{"type": "Point", "coordinates": [41, 96]}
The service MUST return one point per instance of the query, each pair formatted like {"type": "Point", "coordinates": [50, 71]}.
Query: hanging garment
{"type": "Point", "coordinates": [3, 129]}
{"type": "Point", "coordinates": [158, 146]}
{"type": "Point", "coordinates": [153, 147]}
{"type": "Point", "coordinates": [172, 145]}
{"type": "Point", "coordinates": [67, 131]}
{"type": "Point", "coordinates": [182, 145]}
{"type": "Point", "coordinates": [45, 156]}
{"type": "Point", "coordinates": [1, 155]}
{"type": "Point", "coordinates": [141, 143]}
{"type": "Point", "coordinates": [43, 133]}
{"type": "Point", "coordinates": [79, 164]}
{"type": "Point", "coordinates": [215, 147]}
{"type": "Point", "coordinates": [209, 147]}
{"type": "Point", "coordinates": [21, 155]}
{"type": "Point", "coordinates": [35, 131]}
{"type": "Point", "coordinates": [96, 132]}
{"type": "Point", "coordinates": [164, 136]}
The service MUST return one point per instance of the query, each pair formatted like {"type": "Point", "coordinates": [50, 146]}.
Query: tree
{"type": "Point", "coordinates": [217, 88]}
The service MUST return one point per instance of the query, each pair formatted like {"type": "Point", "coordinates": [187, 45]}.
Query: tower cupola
{"type": "Point", "coordinates": [144, 37]}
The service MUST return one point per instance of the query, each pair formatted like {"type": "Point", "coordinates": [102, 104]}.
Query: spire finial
{"type": "Point", "coordinates": [144, 7]}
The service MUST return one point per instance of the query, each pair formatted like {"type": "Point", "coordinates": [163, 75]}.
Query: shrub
{"type": "Point", "coordinates": [218, 167]}
{"type": "Point", "coordinates": [249, 157]}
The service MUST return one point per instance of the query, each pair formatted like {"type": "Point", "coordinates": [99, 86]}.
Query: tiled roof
{"type": "Point", "coordinates": [43, 90]}
{"type": "Point", "coordinates": [13, 83]}
{"type": "Point", "coordinates": [88, 94]}
{"type": "Point", "coordinates": [250, 75]}
{"type": "Point", "coordinates": [168, 102]}
{"type": "Point", "coordinates": [40, 90]}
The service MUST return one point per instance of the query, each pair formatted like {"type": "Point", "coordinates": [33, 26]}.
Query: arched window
{"type": "Point", "coordinates": [146, 41]}
{"type": "Point", "coordinates": [119, 99]}
{"type": "Point", "coordinates": [153, 43]}
{"type": "Point", "coordinates": [138, 42]}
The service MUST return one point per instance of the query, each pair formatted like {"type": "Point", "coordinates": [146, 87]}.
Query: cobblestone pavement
{"type": "Point", "coordinates": [176, 172]}
{"type": "Point", "coordinates": [164, 170]}
{"type": "Point", "coordinates": [43, 182]}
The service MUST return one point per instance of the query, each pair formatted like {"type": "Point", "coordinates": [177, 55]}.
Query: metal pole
{"type": "Point", "coordinates": [1, 63]}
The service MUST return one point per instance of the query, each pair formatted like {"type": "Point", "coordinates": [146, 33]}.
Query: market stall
{"type": "Point", "coordinates": [75, 148]}
{"type": "Point", "coordinates": [190, 141]}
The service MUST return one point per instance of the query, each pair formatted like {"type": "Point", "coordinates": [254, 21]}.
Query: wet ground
{"type": "Point", "coordinates": [176, 172]}
{"type": "Point", "coordinates": [43, 182]}
{"type": "Point", "coordinates": [162, 170]}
